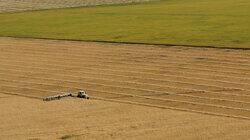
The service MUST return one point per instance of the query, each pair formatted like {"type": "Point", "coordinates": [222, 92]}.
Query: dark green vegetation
{"type": "Point", "coordinates": [221, 23]}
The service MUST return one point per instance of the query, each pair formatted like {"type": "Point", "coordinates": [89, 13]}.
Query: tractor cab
{"type": "Point", "coordinates": [82, 94]}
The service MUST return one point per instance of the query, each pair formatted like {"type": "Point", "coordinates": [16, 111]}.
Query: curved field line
{"type": "Point", "coordinates": [161, 66]}
{"type": "Point", "coordinates": [107, 62]}
{"type": "Point", "coordinates": [134, 48]}
{"type": "Point", "coordinates": [91, 55]}
{"type": "Point", "coordinates": [71, 81]}
{"type": "Point", "coordinates": [120, 63]}
{"type": "Point", "coordinates": [173, 81]}
{"type": "Point", "coordinates": [180, 100]}
{"type": "Point", "coordinates": [164, 100]}
{"type": "Point", "coordinates": [117, 75]}
{"type": "Point", "coordinates": [121, 76]}
{"type": "Point", "coordinates": [173, 108]}
{"type": "Point", "coordinates": [124, 82]}
{"type": "Point", "coordinates": [116, 93]}
{"type": "Point", "coordinates": [148, 105]}
{"type": "Point", "coordinates": [121, 87]}
{"type": "Point", "coordinates": [167, 93]}
{"type": "Point", "coordinates": [90, 49]}
{"type": "Point", "coordinates": [22, 95]}
{"type": "Point", "coordinates": [137, 54]}
{"type": "Point", "coordinates": [128, 47]}
{"type": "Point", "coordinates": [106, 79]}
{"type": "Point", "coordinates": [45, 61]}
{"type": "Point", "coordinates": [151, 62]}
{"type": "Point", "coordinates": [53, 65]}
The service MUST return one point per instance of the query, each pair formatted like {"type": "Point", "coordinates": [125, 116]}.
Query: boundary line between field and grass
{"type": "Point", "coordinates": [136, 43]}
{"type": "Point", "coordinates": [133, 51]}
{"type": "Point", "coordinates": [130, 48]}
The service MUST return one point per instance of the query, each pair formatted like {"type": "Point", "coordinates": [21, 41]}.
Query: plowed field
{"type": "Point", "coordinates": [201, 80]}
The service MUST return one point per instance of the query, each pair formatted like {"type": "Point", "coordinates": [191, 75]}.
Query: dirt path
{"type": "Point", "coordinates": [26, 5]}
{"type": "Point", "coordinates": [201, 80]}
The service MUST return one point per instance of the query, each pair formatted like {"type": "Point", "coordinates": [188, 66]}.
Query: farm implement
{"type": "Point", "coordinates": [81, 94]}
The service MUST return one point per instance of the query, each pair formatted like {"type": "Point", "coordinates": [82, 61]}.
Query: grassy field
{"type": "Point", "coordinates": [221, 23]}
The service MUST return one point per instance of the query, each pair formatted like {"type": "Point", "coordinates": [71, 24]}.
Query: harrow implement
{"type": "Point", "coordinates": [57, 97]}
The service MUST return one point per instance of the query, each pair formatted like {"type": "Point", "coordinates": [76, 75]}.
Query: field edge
{"type": "Point", "coordinates": [138, 43]}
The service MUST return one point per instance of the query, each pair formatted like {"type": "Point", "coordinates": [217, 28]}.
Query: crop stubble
{"type": "Point", "coordinates": [205, 80]}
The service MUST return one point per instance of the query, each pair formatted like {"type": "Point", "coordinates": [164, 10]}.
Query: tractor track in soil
{"type": "Point", "coordinates": [211, 81]}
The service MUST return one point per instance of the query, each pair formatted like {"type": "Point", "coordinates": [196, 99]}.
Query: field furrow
{"type": "Point", "coordinates": [154, 76]}
{"type": "Point", "coordinates": [18, 86]}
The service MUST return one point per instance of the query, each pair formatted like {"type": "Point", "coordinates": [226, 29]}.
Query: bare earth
{"type": "Point", "coordinates": [154, 92]}
{"type": "Point", "coordinates": [24, 5]}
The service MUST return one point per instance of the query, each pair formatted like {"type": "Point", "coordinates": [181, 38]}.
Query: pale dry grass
{"type": "Point", "coordinates": [24, 5]}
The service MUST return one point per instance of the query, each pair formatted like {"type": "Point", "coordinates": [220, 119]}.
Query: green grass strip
{"type": "Point", "coordinates": [220, 23]}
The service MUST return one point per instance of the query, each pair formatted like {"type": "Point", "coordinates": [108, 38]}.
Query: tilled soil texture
{"type": "Point", "coordinates": [24, 5]}
{"type": "Point", "coordinates": [73, 118]}
{"type": "Point", "coordinates": [202, 80]}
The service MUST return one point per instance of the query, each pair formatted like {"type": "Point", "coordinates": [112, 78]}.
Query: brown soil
{"type": "Point", "coordinates": [156, 92]}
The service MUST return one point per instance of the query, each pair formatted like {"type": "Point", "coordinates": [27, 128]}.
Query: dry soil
{"type": "Point", "coordinates": [136, 91]}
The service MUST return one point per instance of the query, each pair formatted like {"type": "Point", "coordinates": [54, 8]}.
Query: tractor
{"type": "Point", "coordinates": [82, 94]}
